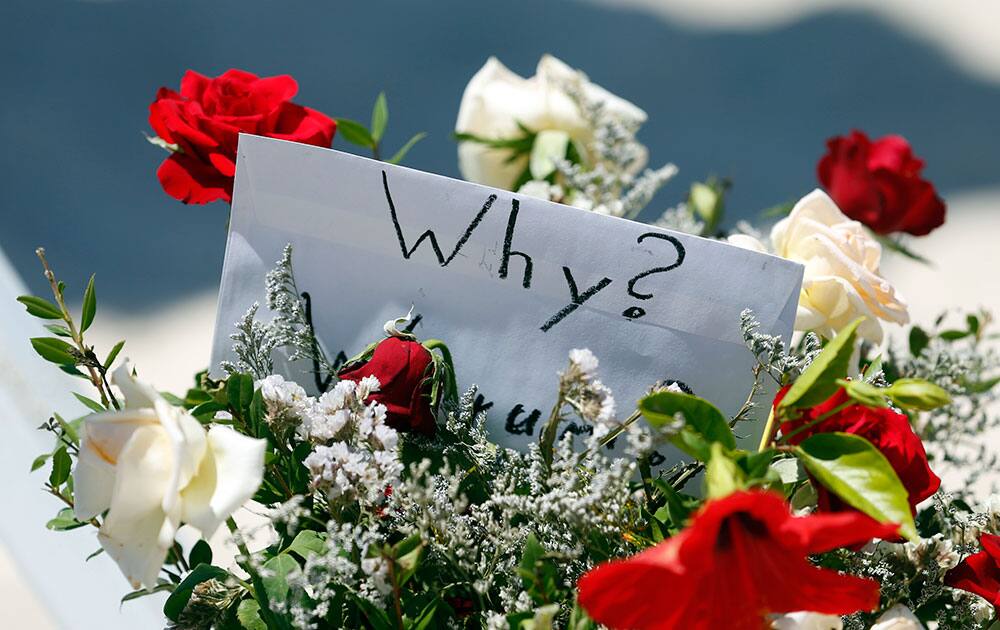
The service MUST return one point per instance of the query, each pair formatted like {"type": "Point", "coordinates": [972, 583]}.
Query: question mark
{"type": "Point", "coordinates": [635, 312]}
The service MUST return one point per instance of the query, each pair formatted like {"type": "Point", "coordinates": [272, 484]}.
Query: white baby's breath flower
{"type": "Point", "coordinates": [584, 360]}
{"type": "Point", "coordinates": [276, 391]}
{"type": "Point", "coordinates": [153, 466]}
{"type": "Point", "coordinates": [355, 457]}
{"type": "Point", "coordinates": [937, 548]}
{"type": "Point", "coordinates": [541, 189]}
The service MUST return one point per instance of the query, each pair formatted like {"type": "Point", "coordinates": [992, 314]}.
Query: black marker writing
{"type": "Point", "coordinates": [576, 298]}
{"type": "Point", "coordinates": [429, 234]}
{"type": "Point", "coordinates": [507, 252]}
{"type": "Point", "coordinates": [480, 405]}
{"type": "Point", "coordinates": [522, 427]}
{"type": "Point", "coordinates": [635, 312]}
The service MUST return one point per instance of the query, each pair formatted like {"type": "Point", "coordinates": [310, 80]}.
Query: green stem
{"type": "Point", "coordinates": [768, 431]}
{"type": "Point", "coordinates": [259, 593]}
{"type": "Point", "coordinates": [96, 379]}
{"type": "Point", "coordinates": [437, 344]}
{"type": "Point", "coordinates": [548, 436]}
{"type": "Point", "coordinates": [812, 423]}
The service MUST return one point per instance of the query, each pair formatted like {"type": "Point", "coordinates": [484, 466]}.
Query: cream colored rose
{"type": "Point", "coordinates": [153, 466]}
{"type": "Point", "coordinates": [804, 620]}
{"type": "Point", "coordinates": [899, 617]}
{"type": "Point", "coordinates": [496, 100]}
{"type": "Point", "coordinates": [842, 280]}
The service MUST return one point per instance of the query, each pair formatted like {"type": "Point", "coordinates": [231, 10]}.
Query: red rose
{"type": "Point", "coordinates": [980, 573]}
{"type": "Point", "coordinates": [879, 184]}
{"type": "Point", "coordinates": [205, 121]}
{"type": "Point", "coordinates": [403, 369]}
{"type": "Point", "coordinates": [742, 558]}
{"type": "Point", "coordinates": [888, 431]}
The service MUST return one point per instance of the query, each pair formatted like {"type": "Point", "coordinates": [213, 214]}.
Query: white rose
{"type": "Point", "coordinates": [496, 100]}
{"type": "Point", "coordinates": [841, 281]}
{"type": "Point", "coordinates": [805, 620]}
{"type": "Point", "coordinates": [153, 466]}
{"type": "Point", "coordinates": [899, 617]}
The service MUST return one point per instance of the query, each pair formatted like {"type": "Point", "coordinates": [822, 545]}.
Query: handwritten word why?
{"type": "Point", "coordinates": [576, 297]}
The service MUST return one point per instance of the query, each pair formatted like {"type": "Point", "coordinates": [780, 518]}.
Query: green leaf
{"type": "Point", "coordinates": [919, 340]}
{"type": "Point", "coordinates": [201, 553]}
{"type": "Point", "coordinates": [722, 475]}
{"type": "Point", "coordinates": [954, 335]}
{"type": "Point", "coordinates": [59, 330]}
{"type": "Point", "coordinates": [677, 507]}
{"type": "Point", "coordinates": [377, 618]}
{"type": "Point", "coordinates": [142, 592]}
{"type": "Point", "coordinates": [239, 391]}
{"type": "Point", "coordinates": [248, 614]}
{"type": "Point", "coordinates": [113, 354]}
{"type": "Point", "coordinates": [424, 620]}
{"type": "Point", "coordinates": [973, 323]}
{"type": "Point", "coordinates": [40, 461]}
{"type": "Point", "coordinates": [276, 574]}
{"type": "Point", "coordinates": [550, 145]}
{"type": "Point", "coordinates": [175, 604]}
{"type": "Point", "coordinates": [61, 465]}
{"type": "Point", "coordinates": [64, 521]}
{"type": "Point", "coordinates": [399, 155]}
{"type": "Point", "coordinates": [94, 554]}
{"type": "Point", "coordinates": [819, 381]}
{"type": "Point", "coordinates": [857, 472]}
{"type": "Point", "coordinates": [40, 307]}
{"type": "Point", "coordinates": [408, 553]}
{"type": "Point", "coordinates": [707, 202]}
{"type": "Point", "coordinates": [54, 350]}
{"type": "Point", "coordinates": [307, 543]}
{"type": "Point", "coordinates": [354, 132]}
{"type": "Point", "coordinates": [980, 387]}
{"type": "Point", "coordinates": [704, 423]}
{"type": "Point", "coordinates": [89, 306]}
{"type": "Point", "coordinates": [532, 553]}
{"type": "Point", "coordinates": [915, 393]}
{"type": "Point", "coordinates": [91, 404]}
{"type": "Point", "coordinates": [69, 428]}
{"type": "Point", "coordinates": [864, 393]}
{"type": "Point", "coordinates": [380, 117]}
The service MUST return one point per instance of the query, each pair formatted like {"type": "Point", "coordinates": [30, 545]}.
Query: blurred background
{"type": "Point", "coordinates": [748, 90]}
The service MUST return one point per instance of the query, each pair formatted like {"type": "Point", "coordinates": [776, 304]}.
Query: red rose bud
{"type": "Point", "coordinates": [879, 184]}
{"type": "Point", "coordinates": [204, 120]}
{"type": "Point", "coordinates": [403, 369]}
{"type": "Point", "coordinates": [888, 431]}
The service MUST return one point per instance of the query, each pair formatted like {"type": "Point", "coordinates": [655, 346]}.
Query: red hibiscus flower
{"type": "Point", "coordinates": [879, 184]}
{"type": "Point", "coordinates": [742, 558]}
{"type": "Point", "coordinates": [980, 573]}
{"type": "Point", "coordinates": [403, 370]}
{"type": "Point", "coordinates": [205, 119]}
{"type": "Point", "coordinates": [888, 431]}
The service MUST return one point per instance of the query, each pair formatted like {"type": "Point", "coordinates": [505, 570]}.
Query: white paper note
{"type": "Point", "coordinates": [509, 282]}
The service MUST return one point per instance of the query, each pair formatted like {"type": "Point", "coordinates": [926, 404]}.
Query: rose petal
{"type": "Point", "coordinates": [229, 475]}
{"type": "Point", "coordinates": [137, 532]}
{"type": "Point", "coordinates": [192, 181]}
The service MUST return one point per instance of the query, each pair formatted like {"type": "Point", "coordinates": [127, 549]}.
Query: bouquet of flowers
{"type": "Point", "coordinates": [382, 502]}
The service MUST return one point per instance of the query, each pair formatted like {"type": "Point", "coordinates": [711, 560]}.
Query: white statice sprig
{"type": "Point", "coordinates": [355, 455]}
{"type": "Point", "coordinates": [605, 181]}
